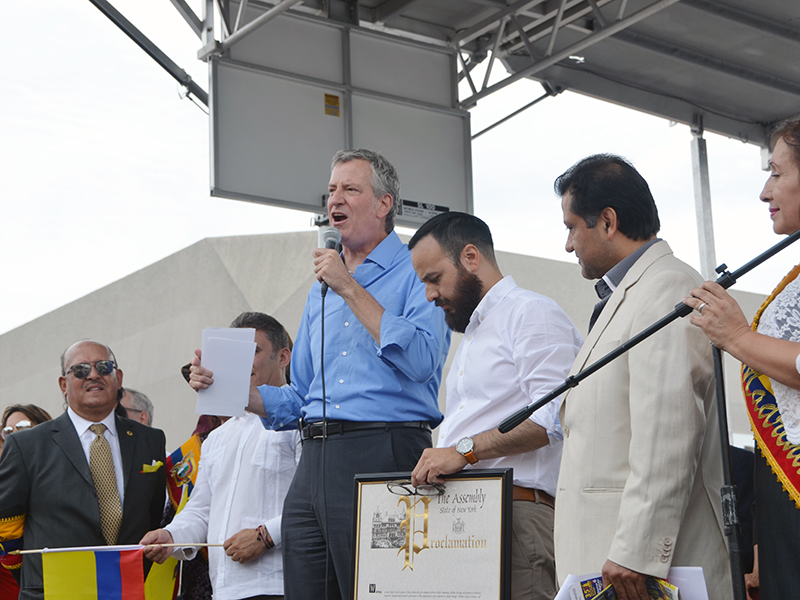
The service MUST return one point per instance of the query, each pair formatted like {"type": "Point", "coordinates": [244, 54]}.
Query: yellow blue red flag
{"type": "Point", "coordinates": [100, 573]}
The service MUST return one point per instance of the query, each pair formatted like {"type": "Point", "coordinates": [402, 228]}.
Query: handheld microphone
{"type": "Point", "coordinates": [330, 238]}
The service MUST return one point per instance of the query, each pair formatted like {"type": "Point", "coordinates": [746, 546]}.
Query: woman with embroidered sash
{"type": "Point", "coordinates": [770, 355]}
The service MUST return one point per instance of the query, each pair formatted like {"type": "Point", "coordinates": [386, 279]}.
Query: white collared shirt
{"type": "Point", "coordinates": [87, 437]}
{"type": "Point", "coordinates": [244, 474]}
{"type": "Point", "coordinates": [518, 346]}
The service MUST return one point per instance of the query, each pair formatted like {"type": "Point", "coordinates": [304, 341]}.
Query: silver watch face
{"type": "Point", "coordinates": [464, 445]}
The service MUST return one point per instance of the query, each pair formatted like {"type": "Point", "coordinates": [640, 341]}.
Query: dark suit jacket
{"type": "Point", "coordinates": [44, 475]}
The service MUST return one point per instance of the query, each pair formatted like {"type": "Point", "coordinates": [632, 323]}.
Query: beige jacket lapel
{"type": "Point", "coordinates": [655, 252]}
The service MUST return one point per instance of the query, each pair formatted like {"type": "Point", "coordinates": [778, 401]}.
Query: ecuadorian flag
{"type": "Point", "coordinates": [182, 471]}
{"type": "Point", "coordinates": [162, 581]}
{"type": "Point", "coordinates": [101, 573]}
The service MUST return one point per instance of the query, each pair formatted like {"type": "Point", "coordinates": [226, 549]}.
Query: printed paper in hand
{"type": "Point", "coordinates": [228, 353]}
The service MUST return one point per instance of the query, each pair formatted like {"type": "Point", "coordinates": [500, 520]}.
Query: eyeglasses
{"type": "Point", "coordinates": [403, 487]}
{"type": "Point", "coordinates": [83, 370]}
{"type": "Point", "coordinates": [18, 427]}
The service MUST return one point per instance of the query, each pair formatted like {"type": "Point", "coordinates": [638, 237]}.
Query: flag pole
{"type": "Point", "coordinates": [111, 548]}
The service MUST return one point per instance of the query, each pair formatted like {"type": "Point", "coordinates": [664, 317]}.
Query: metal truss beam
{"type": "Point", "coordinates": [575, 48]}
{"type": "Point", "coordinates": [693, 57]}
{"type": "Point", "coordinates": [524, 37]}
{"type": "Point", "coordinates": [151, 49]}
{"type": "Point", "coordinates": [188, 14]}
{"type": "Point", "coordinates": [541, 26]}
{"type": "Point", "coordinates": [490, 23]}
{"type": "Point", "coordinates": [556, 26]}
{"type": "Point", "coordinates": [465, 69]}
{"type": "Point", "coordinates": [225, 12]}
{"type": "Point", "coordinates": [239, 15]}
{"type": "Point", "coordinates": [245, 30]}
{"type": "Point", "coordinates": [571, 12]}
{"type": "Point", "coordinates": [548, 92]}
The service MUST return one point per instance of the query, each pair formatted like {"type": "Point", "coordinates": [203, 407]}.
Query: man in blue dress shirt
{"type": "Point", "coordinates": [385, 346]}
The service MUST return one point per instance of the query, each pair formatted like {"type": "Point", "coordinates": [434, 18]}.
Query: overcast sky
{"type": "Point", "coordinates": [105, 169]}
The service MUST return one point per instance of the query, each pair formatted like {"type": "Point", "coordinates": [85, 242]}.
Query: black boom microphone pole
{"type": "Point", "coordinates": [726, 280]}
{"type": "Point", "coordinates": [730, 513]}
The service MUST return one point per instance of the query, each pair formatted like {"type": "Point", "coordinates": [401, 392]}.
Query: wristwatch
{"type": "Point", "coordinates": [464, 447]}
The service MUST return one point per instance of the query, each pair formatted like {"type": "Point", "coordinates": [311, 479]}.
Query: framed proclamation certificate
{"type": "Point", "coordinates": [442, 542]}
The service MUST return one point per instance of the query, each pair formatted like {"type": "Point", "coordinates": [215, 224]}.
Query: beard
{"type": "Point", "coordinates": [466, 297]}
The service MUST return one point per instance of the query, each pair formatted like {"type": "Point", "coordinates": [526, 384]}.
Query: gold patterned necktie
{"type": "Point", "coordinates": [105, 482]}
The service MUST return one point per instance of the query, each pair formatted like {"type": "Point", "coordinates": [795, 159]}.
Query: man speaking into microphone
{"type": "Point", "coordinates": [385, 346]}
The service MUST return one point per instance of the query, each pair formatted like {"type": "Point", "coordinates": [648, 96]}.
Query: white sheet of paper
{"type": "Point", "coordinates": [563, 593]}
{"type": "Point", "coordinates": [689, 580]}
{"type": "Point", "coordinates": [228, 353]}
{"type": "Point", "coordinates": [245, 334]}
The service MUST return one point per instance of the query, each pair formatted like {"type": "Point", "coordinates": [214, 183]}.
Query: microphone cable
{"type": "Point", "coordinates": [324, 439]}
{"type": "Point", "coordinates": [332, 240]}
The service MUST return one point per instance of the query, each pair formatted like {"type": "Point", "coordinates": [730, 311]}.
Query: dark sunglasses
{"type": "Point", "coordinates": [82, 370]}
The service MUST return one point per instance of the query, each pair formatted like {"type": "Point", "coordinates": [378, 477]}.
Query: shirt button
{"type": "Point", "coordinates": [460, 407]}
{"type": "Point", "coordinates": [341, 381]}
{"type": "Point", "coordinates": [469, 338]}
{"type": "Point", "coordinates": [344, 353]}
{"type": "Point", "coordinates": [566, 431]}
{"type": "Point", "coordinates": [346, 324]}
{"type": "Point", "coordinates": [337, 406]}
{"type": "Point", "coordinates": [461, 372]}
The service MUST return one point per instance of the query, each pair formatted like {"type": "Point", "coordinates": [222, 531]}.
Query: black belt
{"type": "Point", "coordinates": [314, 431]}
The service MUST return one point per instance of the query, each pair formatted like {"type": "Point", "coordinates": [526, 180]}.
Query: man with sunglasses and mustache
{"type": "Point", "coordinates": [86, 478]}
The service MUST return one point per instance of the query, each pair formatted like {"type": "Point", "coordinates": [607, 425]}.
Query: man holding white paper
{"type": "Point", "coordinates": [228, 352]}
{"type": "Point", "coordinates": [243, 477]}
{"type": "Point", "coordinates": [385, 346]}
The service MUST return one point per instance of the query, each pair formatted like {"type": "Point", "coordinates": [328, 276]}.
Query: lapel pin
{"type": "Point", "coordinates": [130, 433]}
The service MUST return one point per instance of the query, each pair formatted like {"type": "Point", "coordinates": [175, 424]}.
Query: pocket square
{"type": "Point", "coordinates": [157, 464]}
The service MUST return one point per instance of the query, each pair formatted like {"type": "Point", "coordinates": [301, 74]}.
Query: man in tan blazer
{"type": "Point", "coordinates": [641, 469]}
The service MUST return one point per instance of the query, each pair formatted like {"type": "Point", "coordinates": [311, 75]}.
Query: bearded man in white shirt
{"type": "Point", "coordinates": [244, 474]}
{"type": "Point", "coordinates": [517, 347]}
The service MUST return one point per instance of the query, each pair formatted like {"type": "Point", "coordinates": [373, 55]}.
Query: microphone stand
{"type": "Point", "coordinates": [729, 503]}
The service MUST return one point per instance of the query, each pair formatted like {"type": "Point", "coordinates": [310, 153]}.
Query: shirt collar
{"type": "Point", "coordinates": [609, 282]}
{"type": "Point", "coordinates": [383, 254]}
{"type": "Point", "coordinates": [81, 424]}
{"type": "Point", "coordinates": [491, 299]}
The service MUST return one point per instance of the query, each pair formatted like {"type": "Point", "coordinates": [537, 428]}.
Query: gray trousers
{"type": "Point", "coordinates": [533, 571]}
{"type": "Point", "coordinates": [320, 506]}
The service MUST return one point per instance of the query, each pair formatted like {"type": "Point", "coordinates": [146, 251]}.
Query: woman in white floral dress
{"type": "Point", "coordinates": [770, 355]}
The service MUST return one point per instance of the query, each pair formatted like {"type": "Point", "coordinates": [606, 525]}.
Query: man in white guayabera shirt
{"type": "Point", "coordinates": [244, 474]}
